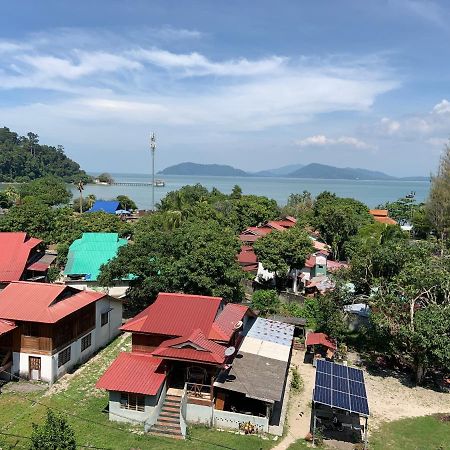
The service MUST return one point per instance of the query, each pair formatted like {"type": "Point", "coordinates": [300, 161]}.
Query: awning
{"type": "Point", "coordinates": [43, 263]}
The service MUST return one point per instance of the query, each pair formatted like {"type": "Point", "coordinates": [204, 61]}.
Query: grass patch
{"type": "Point", "coordinates": [76, 396]}
{"type": "Point", "coordinates": [420, 433]}
{"type": "Point", "coordinates": [299, 445]}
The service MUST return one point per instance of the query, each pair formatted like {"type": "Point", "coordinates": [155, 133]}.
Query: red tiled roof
{"type": "Point", "coordinates": [42, 302]}
{"type": "Point", "coordinates": [6, 326]}
{"type": "Point", "coordinates": [14, 254]}
{"type": "Point", "coordinates": [133, 372]}
{"type": "Point", "coordinates": [379, 212]}
{"type": "Point", "coordinates": [250, 268]}
{"type": "Point", "coordinates": [320, 246]}
{"type": "Point", "coordinates": [176, 315]}
{"type": "Point", "coordinates": [195, 347]}
{"type": "Point", "coordinates": [319, 339]}
{"type": "Point", "coordinates": [385, 220]}
{"type": "Point", "coordinates": [311, 261]}
{"type": "Point", "coordinates": [223, 327]}
{"type": "Point", "coordinates": [248, 237]}
{"type": "Point", "coordinates": [275, 225]}
{"type": "Point", "coordinates": [247, 256]}
{"type": "Point", "coordinates": [336, 265]}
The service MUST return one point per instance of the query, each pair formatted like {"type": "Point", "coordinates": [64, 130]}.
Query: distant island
{"type": "Point", "coordinates": [313, 171]}
{"type": "Point", "coordinates": [23, 159]}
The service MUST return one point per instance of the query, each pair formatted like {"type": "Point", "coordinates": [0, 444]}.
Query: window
{"type": "Point", "coordinates": [135, 402]}
{"type": "Point", "coordinates": [86, 342]}
{"type": "Point", "coordinates": [104, 318]}
{"type": "Point", "coordinates": [64, 357]}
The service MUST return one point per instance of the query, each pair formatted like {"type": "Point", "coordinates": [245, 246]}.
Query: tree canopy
{"type": "Point", "coordinates": [22, 158]}
{"type": "Point", "coordinates": [48, 190]}
{"type": "Point", "coordinates": [54, 434]}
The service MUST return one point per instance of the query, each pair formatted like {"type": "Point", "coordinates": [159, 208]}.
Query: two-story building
{"type": "Point", "coordinates": [196, 359]}
{"type": "Point", "coordinates": [47, 329]}
{"type": "Point", "coordinates": [21, 258]}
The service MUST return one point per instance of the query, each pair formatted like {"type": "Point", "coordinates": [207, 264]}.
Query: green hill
{"type": "Point", "coordinates": [217, 170]}
{"type": "Point", "coordinates": [323, 171]}
{"type": "Point", "coordinates": [22, 158]}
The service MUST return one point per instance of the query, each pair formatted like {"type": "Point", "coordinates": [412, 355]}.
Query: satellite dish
{"type": "Point", "coordinates": [238, 325]}
{"type": "Point", "coordinates": [229, 351]}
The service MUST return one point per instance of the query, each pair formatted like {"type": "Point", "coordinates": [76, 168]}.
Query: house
{"type": "Point", "coordinates": [87, 255]}
{"type": "Point", "coordinates": [184, 348]}
{"type": "Point", "coordinates": [21, 258]}
{"type": "Point", "coordinates": [319, 345]}
{"type": "Point", "coordinates": [47, 329]}
{"type": "Point", "coordinates": [382, 216]}
{"type": "Point", "coordinates": [109, 207]}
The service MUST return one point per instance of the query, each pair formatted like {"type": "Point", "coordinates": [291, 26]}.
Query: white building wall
{"type": "Point", "coordinates": [100, 337]}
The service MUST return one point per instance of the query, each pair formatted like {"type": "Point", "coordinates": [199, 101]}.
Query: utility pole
{"type": "Point", "coordinates": [80, 187]}
{"type": "Point", "coordinates": [152, 149]}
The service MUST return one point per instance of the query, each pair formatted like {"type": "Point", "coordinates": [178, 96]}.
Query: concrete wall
{"type": "Point", "coordinates": [100, 337]}
{"type": "Point", "coordinates": [209, 416]}
{"type": "Point", "coordinates": [231, 420]}
{"type": "Point", "coordinates": [199, 414]}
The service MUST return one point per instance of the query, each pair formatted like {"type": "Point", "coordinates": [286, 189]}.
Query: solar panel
{"type": "Point", "coordinates": [341, 387]}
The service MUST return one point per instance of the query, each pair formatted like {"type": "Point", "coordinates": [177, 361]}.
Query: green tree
{"type": "Point", "coordinates": [438, 202]}
{"type": "Point", "coordinates": [282, 251]}
{"type": "Point", "coordinates": [413, 310]}
{"type": "Point", "coordinates": [105, 178]}
{"type": "Point", "coordinates": [197, 257]}
{"type": "Point", "coordinates": [48, 190]}
{"type": "Point", "coordinates": [55, 434]}
{"type": "Point", "coordinates": [338, 219]}
{"type": "Point", "coordinates": [300, 206]}
{"type": "Point", "coordinates": [401, 210]}
{"type": "Point", "coordinates": [236, 193]}
{"type": "Point", "coordinates": [266, 301]}
{"type": "Point", "coordinates": [126, 203]}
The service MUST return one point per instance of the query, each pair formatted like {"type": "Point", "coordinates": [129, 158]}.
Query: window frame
{"type": "Point", "coordinates": [102, 321]}
{"type": "Point", "coordinates": [64, 356]}
{"type": "Point", "coordinates": [84, 339]}
{"type": "Point", "coordinates": [132, 402]}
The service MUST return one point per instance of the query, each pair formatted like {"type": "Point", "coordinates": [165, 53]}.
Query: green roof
{"type": "Point", "coordinates": [87, 254]}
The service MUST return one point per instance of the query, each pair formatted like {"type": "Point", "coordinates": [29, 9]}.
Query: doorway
{"type": "Point", "coordinates": [34, 364]}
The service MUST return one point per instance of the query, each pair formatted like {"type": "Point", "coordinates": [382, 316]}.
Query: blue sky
{"type": "Point", "coordinates": [254, 84]}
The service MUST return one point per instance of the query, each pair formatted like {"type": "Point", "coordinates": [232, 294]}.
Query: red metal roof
{"type": "Point", "coordinates": [195, 347]}
{"type": "Point", "coordinates": [223, 327]}
{"type": "Point", "coordinates": [176, 315]}
{"type": "Point", "coordinates": [42, 302]}
{"type": "Point", "coordinates": [311, 261]}
{"type": "Point", "coordinates": [379, 212]}
{"type": "Point", "coordinates": [247, 256]}
{"type": "Point", "coordinates": [275, 225]}
{"type": "Point", "coordinates": [249, 237]}
{"type": "Point", "coordinates": [319, 339]}
{"type": "Point", "coordinates": [336, 265]}
{"type": "Point", "coordinates": [138, 373]}
{"type": "Point", "coordinates": [6, 326]}
{"type": "Point", "coordinates": [43, 263]}
{"type": "Point", "coordinates": [14, 254]}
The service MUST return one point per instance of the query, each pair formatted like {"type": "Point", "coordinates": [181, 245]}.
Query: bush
{"type": "Point", "coordinates": [266, 301]}
{"type": "Point", "coordinates": [296, 380]}
{"type": "Point", "coordinates": [54, 434]}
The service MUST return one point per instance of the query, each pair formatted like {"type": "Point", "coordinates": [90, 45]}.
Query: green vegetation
{"type": "Point", "coordinates": [54, 434]}
{"type": "Point", "coordinates": [420, 433]}
{"type": "Point", "coordinates": [22, 158]}
{"type": "Point", "coordinates": [126, 203]}
{"type": "Point", "coordinates": [266, 302]}
{"type": "Point", "coordinates": [296, 380]}
{"type": "Point", "coordinates": [49, 190]}
{"type": "Point", "coordinates": [105, 178]}
{"type": "Point", "coordinates": [282, 251]}
{"type": "Point", "coordinates": [83, 407]}
{"type": "Point", "coordinates": [301, 444]}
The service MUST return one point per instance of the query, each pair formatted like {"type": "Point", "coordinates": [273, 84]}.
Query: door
{"type": "Point", "coordinates": [34, 367]}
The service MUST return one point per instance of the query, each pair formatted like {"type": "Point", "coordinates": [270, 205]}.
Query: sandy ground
{"type": "Point", "coordinates": [391, 397]}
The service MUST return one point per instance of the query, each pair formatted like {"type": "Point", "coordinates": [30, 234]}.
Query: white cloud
{"type": "Point", "coordinates": [418, 125]}
{"type": "Point", "coordinates": [321, 140]}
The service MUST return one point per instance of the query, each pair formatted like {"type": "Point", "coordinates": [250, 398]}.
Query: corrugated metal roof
{"type": "Point", "coordinates": [109, 207]}
{"type": "Point", "coordinates": [223, 327]}
{"type": "Point", "coordinates": [88, 254]}
{"type": "Point", "coordinates": [6, 326]}
{"type": "Point", "coordinates": [15, 251]}
{"type": "Point", "coordinates": [42, 302]}
{"type": "Point", "coordinates": [43, 263]}
{"type": "Point", "coordinates": [272, 331]}
{"type": "Point", "coordinates": [319, 339]}
{"type": "Point", "coordinates": [195, 347]}
{"type": "Point", "coordinates": [176, 315]}
{"type": "Point", "coordinates": [133, 372]}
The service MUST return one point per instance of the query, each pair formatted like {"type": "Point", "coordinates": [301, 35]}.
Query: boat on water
{"type": "Point", "coordinates": [160, 183]}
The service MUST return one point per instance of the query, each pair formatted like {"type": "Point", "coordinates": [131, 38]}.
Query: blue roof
{"type": "Point", "coordinates": [106, 206]}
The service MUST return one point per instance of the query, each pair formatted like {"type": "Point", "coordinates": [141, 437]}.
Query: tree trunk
{"type": "Point", "coordinates": [419, 372]}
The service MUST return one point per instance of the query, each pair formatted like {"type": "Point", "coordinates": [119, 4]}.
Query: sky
{"type": "Point", "coordinates": [254, 84]}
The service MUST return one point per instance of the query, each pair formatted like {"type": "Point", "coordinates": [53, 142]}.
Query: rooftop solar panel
{"type": "Point", "coordinates": [341, 387]}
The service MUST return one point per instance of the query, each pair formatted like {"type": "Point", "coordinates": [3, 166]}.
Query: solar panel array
{"type": "Point", "coordinates": [340, 387]}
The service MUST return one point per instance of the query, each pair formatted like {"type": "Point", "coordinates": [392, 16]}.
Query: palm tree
{"type": "Point", "coordinates": [90, 200]}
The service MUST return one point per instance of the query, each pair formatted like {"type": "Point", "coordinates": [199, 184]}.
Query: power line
{"type": "Point", "coordinates": [29, 439]}
{"type": "Point", "coordinates": [99, 423]}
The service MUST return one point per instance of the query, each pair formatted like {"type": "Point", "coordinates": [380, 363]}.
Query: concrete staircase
{"type": "Point", "coordinates": [168, 424]}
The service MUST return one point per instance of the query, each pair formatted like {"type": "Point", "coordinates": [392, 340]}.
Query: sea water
{"type": "Point", "coordinates": [371, 193]}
